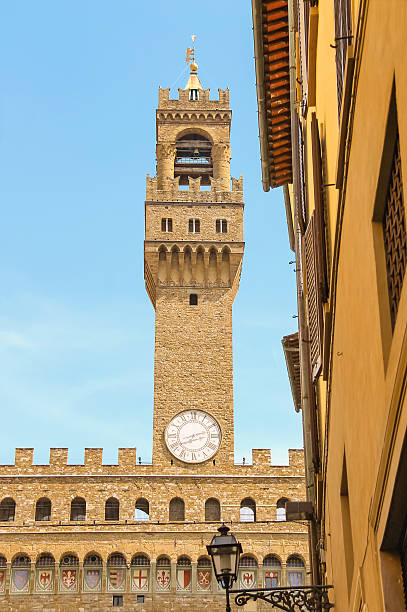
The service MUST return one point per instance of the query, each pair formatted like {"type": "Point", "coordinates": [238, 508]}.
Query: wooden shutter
{"type": "Point", "coordinates": [301, 212]}
{"type": "Point", "coordinates": [319, 209]}
{"type": "Point", "coordinates": [315, 320]}
{"type": "Point", "coordinates": [343, 38]}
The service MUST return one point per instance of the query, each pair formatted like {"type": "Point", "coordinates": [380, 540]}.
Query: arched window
{"type": "Point", "coordinates": [140, 560]}
{"type": "Point", "coordinates": [177, 509]}
{"type": "Point", "coordinates": [280, 513]}
{"type": "Point", "coordinates": [21, 561]}
{"type": "Point", "coordinates": [163, 574]}
{"type": "Point", "coordinates": [7, 509]}
{"type": "Point", "coordinates": [212, 510]}
{"type": "Point", "coordinates": [272, 571]}
{"type": "Point", "coordinates": [45, 560]}
{"type": "Point", "coordinates": [112, 509]}
{"type": "Point", "coordinates": [295, 571]}
{"type": "Point", "coordinates": [43, 509]}
{"type": "Point", "coordinates": [184, 574]}
{"type": "Point", "coordinates": [248, 572]}
{"type": "Point", "coordinates": [93, 559]}
{"type": "Point", "coordinates": [163, 562]}
{"type": "Point", "coordinates": [69, 561]}
{"type": "Point", "coordinates": [248, 510]}
{"type": "Point", "coordinates": [3, 561]}
{"type": "Point", "coordinates": [78, 509]}
{"type": "Point", "coordinates": [116, 560]}
{"type": "Point", "coordinates": [204, 562]}
{"type": "Point", "coordinates": [247, 561]}
{"type": "Point", "coordinates": [142, 511]}
{"type": "Point", "coordinates": [193, 158]}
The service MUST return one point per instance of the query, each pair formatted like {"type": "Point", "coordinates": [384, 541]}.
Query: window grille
{"type": "Point", "coordinates": [247, 561]}
{"type": "Point", "coordinates": [92, 559]}
{"type": "Point", "coordinates": [194, 226]}
{"type": "Point", "coordinates": [78, 509]}
{"type": "Point", "coordinates": [112, 509]}
{"type": "Point", "coordinates": [248, 511]}
{"type": "Point", "coordinates": [70, 560]}
{"type": "Point", "coordinates": [166, 225]}
{"type": "Point", "coordinates": [184, 562]}
{"type": "Point", "coordinates": [204, 562]}
{"type": "Point", "coordinates": [177, 509]}
{"type": "Point", "coordinates": [45, 561]}
{"type": "Point", "coordinates": [7, 509]}
{"type": "Point", "coordinates": [271, 561]}
{"type": "Point", "coordinates": [142, 510]}
{"type": "Point", "coordinates": [221, 226]}
{"type": "Point", "coordinates": [193, 299]}
{"type": "Point", "coordinates": [21, 561]}
{"type": "Point", "coordinates": [140, 560]}
{"type": "Point", "coordinates": [343, 38]}
{"type": "Point", "coordinates": [295, 562]}
{"type": "Point", "coordinates": [212, 510]}
{"type": "Point", "coordinates": [43, 510]}
{"type": "Point", "coordinates": [116, 560]}
{"type": "Point", "coordinates": [394, 232]}
{"type": "Point", "coordinates": [163, 562]}
{"type": "Point", "coordinates": [3, 561]}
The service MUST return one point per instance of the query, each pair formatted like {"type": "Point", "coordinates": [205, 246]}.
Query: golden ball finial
{"type": "Point", "coordinates": [194, 67]}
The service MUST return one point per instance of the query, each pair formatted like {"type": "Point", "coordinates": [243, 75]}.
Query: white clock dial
{"type": "Point", "coordinates": [193, 436]}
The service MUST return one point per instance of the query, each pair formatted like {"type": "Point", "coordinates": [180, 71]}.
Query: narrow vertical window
{"type": "Point", "coordinates": [394, 233]}
{"type": "Point", "coordinates": [343, 38]}
{"type": "Point", "coordinates": [194, 226]}
{"type": "Point", "coordinates": [194, 94]}
{"type": "Point", "coordinates": [166, 225]}
{"type": "Point", "coordinates": [221, 226]}
{"type": "Point", "coordinates": [193, 299]}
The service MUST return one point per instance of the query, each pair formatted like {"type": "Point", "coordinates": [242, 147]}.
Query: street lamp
{"type": "Point", "coordinates": [225, 552]}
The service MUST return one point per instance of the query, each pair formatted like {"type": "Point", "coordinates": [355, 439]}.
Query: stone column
{"type": "Point", "coordinates": [165, 153]}
{"type": "Point", "coordinates": [221, 165]}
{"type": "Point", "coordinates": [173, 576]}
{"type": "Point", "coordinates": [194, 575]}
{"type": "Point", "coordinates": [152, 578]}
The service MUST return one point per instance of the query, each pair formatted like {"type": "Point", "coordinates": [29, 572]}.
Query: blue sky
{"type": "Point", "coordinates": [79, 88]}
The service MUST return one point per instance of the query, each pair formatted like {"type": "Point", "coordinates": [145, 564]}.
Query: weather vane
{"type": "Point", "coordinates": [190, 57]}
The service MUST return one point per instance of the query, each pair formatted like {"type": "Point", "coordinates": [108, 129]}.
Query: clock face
{"type": "Point", "coordinates": [193, 436]}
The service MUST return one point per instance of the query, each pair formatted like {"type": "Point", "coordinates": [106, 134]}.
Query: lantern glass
{"type": "Point", "coordinates": [225, 552]}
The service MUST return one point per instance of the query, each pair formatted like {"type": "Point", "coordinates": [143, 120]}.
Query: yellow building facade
{"type": "Point", "coordinates": [332, 93]}
{"type": "Point", "coordinates": [132, 535]}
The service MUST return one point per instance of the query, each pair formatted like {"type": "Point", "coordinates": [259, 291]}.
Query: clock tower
{"type": "Point", "coordinates": [193, 256]}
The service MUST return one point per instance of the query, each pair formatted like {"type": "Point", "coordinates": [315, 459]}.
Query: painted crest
{"type": "Point", "coordinates": [2, 580]}
{"type": "Point", "coordinates": [204, 579]}
{"type": "Point", "coordinates": [271, 579]}
{"type": "Point", "coordinates": [68, 579]}
{"type": "Point", "coordinates": [44, 580]}
{"type": "Point", "coordinates": [92, 578]}
{"type": "Point", "coordinates": [183, 579]}
{"type": "Point", "coordinates": [163, 579]}
{"type": "Point", "coordinates": [140, 580]}
{"type": "Point", "coordinates": [21, 580]}
{"type": "Point", "coordinates": [117, 579]}
{"type": "Point", "coordinates": [247, 579]}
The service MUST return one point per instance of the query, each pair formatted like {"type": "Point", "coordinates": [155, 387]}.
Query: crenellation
{"type": "Point", "coordinates": [127, 459]}
{"type": "Point", "coordinates": [94, 458]}
{"type": "Point", "coordinates": [24, 457]}
{"type": "Point", "coordinates": [58, 457]}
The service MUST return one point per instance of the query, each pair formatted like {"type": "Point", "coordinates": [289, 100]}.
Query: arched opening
{"type": "Point", "coordinates": [184, 574]}
{"type": "Point", "coordinates": [225, 267]}
{"type": "Point", "coordinates": [295, 571]}
{"type": "Point", "coordinates": [116, 560]}
{"type": "Point", "coordinates": [112, 508]}
{"type": "Point", "coordinates": [142, 510]}
{"type": "Point", "coordinates": [187, 271]}
{"type": "Point", "coordinates": [193, 158]}
{"type": "Point", "coordinates": [272, 571]}
{"type": "Point", "coordinates": [177, 509]}
{"type": "Point", "coordinates": [200, 267]}
{"type": "Point", "coordinates": [3, 561]}
{"type": "Point", "coordinates": [280, 511]}
{"type": "Point", "coordinates": [78, 509]}
{"type": "Point", "coordinates": [7, 509]}
{"type": "Point", "coordinates": [140, 560]}
{"type": "Point", "coordinates": [43, 509]}
{"type": "Point", "coordinates": [175, 265]}
{"type": "Point", "coordinates": [69, 561]}
{"type": "Point", "coordinates": [45, 560]}
{"type": "Point", "coordinates": [93, 560]}
{"type": "Point", "coordinates": [213, 266]}
{"type": "Point", "coordinates": [162, 264]}
{"type": "Point", "coordinates": [21, 561]}
{"type": "Point", "coordinates": [204, 574]}
{"type": "Point", "coordinates": [212, 510]}
{"type": "Point", "coordinates": [248, 510]}
{"type": "Point", "coordinates": [248, 571]}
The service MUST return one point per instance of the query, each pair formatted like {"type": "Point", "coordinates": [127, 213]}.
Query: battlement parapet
{"type": "Point", "coordinates": [173, 193]}
{"type": "Point", "coordinates": [129, 464]}
{"type": "Point", "coordinates": [204, 102]}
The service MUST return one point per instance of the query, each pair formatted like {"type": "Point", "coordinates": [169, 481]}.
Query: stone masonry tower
{"type": "Point", "coordinates": [193, 257]}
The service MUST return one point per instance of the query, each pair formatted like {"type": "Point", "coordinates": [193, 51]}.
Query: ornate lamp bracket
{"type": "Point", "coordinates": [312, 598]}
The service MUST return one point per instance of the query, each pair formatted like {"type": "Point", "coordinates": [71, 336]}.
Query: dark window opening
{"type": "Point", "coordinates": [194, 94]}
{"type": "Point", "coordinates": [193, 159]}
{"type": "Point", "coordinates": [112, 509]}
{"type": "Point", "coordinates": [193, 299]}
{"type": "Point", "coordinates": [221, 226]}
{"type": "Point", "coordinates": [140, 598]}
{"type": "Point", "coordinates": [166, 225]}
{"type": "Point", "coordinates": [177, 509]}
{"type": "Point", "coordinates": [212, 510]}
{"type": "Point", "coordinates": [194, 226]}
{"type": "Point", "coordinates": [78, 509]}
{"type": "Point", "coordinates": [118, 601]}
{"type": "Point", "coordinates": [43, 510]}
{"type": "Point", "coordinates": [7, 509]}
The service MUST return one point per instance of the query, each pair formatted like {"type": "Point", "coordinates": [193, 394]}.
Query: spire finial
{"type": "Point", "coordinates": [190, 56]}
